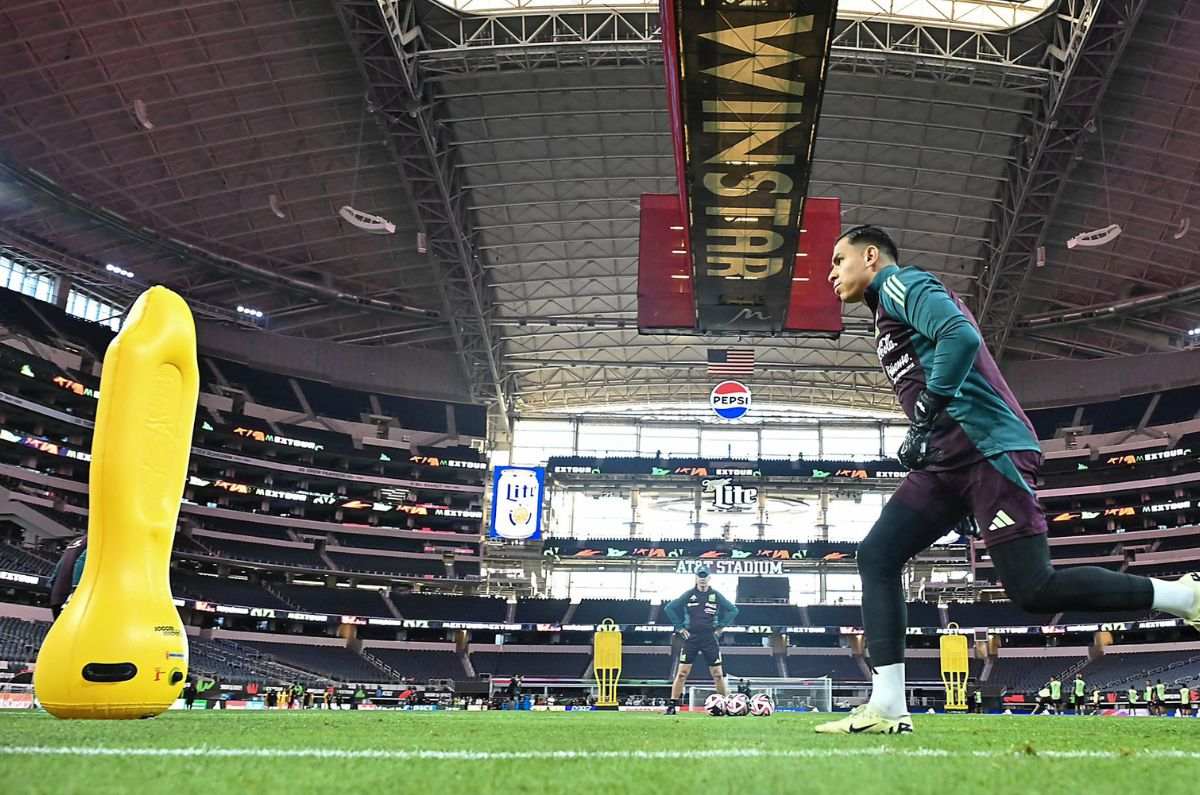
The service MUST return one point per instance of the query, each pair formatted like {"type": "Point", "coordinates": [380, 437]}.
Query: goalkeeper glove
{"type": "Point", "coordinates": [915, 452]}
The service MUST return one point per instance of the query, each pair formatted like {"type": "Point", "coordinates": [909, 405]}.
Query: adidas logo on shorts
{"type": "Point", "coordinates": [1001, 521]}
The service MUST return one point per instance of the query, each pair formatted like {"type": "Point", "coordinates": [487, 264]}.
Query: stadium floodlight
{"type": "Point", "coordinates": [246, 310]}
{"type": "Point", "coordinates": [117, 269]}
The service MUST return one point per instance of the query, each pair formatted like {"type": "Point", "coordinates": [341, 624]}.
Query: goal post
{"type": "Point", "coordinates": [788, 694]}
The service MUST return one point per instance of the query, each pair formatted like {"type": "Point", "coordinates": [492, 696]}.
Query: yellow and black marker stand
{"type": "Point", "coordinates": [955, 669]}
{"type": "Point", "coordinates": [606, 663]}
{"type": "Point", "coordinates": [118, 650]}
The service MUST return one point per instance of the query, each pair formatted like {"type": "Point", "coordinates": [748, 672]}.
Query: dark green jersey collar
{"type": "Point", "coordinates": [872, 292]}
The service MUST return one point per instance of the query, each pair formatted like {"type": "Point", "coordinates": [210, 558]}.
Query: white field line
{"type": "Point", "coordinates": [509, 756]}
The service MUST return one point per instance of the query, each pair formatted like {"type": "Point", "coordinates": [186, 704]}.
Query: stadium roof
{"type": "Point", "coordinates": [966, 14]}
{"type": "Point", "coordinates": [210, 146]}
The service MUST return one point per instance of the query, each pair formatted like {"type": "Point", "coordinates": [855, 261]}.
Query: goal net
{"type": "Point", "coordinates": [786, 692]}
{"type": "Point", "coordinates": [16, 696]}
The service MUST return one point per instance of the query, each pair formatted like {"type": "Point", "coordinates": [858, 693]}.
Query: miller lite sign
{"type": "Point", "coordinates": [730, 497]}
{"type": "Point", "coordinates": [517, 494]}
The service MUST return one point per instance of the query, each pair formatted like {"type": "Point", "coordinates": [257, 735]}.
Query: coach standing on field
{"type": "Point", "coordinates": [699, 615]}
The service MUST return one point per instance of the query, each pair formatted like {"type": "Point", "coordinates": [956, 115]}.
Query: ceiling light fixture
{"type": "Point", "coordinates": [1096, 237]}
{"type": "Point", "coordinates": [139, 111]}
{"type": "Point", "coordinates": [376, 225]}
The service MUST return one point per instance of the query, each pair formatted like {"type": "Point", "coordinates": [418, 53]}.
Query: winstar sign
{"type": "Point", "coordinates": [745, 80]}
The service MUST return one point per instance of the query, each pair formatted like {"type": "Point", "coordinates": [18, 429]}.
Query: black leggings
{"type": "Point", "coordinates": [1023, 566]}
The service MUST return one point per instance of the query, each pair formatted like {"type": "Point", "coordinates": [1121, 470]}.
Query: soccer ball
{"type": "Point", "coordinates": [737, 705]}
{"type": "Point", "coordinates": [715, 705]}
{"type": "Point", "coordinates": [761, 705]}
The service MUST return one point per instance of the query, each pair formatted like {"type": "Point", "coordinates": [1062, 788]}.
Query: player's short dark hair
{"type": "Point", "coordinates": [872, 236]}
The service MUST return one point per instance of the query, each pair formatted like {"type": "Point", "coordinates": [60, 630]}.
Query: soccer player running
{"type": "Point", "coordinates": [699, 615]}
{"type": "Point", "coordinates": [971, 450]}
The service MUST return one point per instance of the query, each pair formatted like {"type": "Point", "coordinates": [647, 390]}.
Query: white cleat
{"type": "Point", "coordinates": [864, 719]}
{"type": "Point", "coordinates": [1193, 581]}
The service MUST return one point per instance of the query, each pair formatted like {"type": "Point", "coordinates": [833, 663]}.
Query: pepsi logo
{"type": "Point", "coordinates": [730, 400]}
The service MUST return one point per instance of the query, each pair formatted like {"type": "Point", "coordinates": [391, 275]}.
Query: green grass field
{"type": "Point", "coordinates": [443, 753]}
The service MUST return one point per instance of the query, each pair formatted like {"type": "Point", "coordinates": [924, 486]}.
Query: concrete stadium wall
{"type": "Point", "coordinates": [1064, 382]}
{"type": "Point", "coordinates": [396, 371]}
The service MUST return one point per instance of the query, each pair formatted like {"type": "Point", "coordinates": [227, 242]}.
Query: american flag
{"type": "Point", "coordinates": [730, 361]}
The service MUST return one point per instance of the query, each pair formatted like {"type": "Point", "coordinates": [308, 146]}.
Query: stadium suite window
{"type": "Point", "coordinates": [791, 443]}
{"type": "Point", "coordinates": [27, 281]}
{"type": "Point", "coordinates": [795, 522]}
{"type": "Point", "coordinates": [92, 309]}
{"type": "Point", "coordinates": [741, 526]}
{"type": "Point", "coordinates": [600, 515]}
{"type": "Point", "coordinates": [672, 442]}
{"type": "Point", "coordinates": [843, 589]}
{"type": "Point", "coordinates": [850, 443]}
{"type": "Point", "coordinates": [729, 443]}
{"type": "Point", "coordinates": [804, 589]}
{"type": "Point", "coordinates": [893, 435]}
{"type": "Point", "coordinates": [664, 516]}
{"type": "Point", "coordinates": [576, 585]}
{"type": "Point", "coordinates": [603, 439]}
{"type": "Point", "coordinates": [851, 520]}
{"type": "Point", "coordinates": [534, 441]}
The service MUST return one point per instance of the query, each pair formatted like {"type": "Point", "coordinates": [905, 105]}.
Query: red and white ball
{"type": "Point", "coordinates": [737, 705]}
{"type": "Point", "coordinates": [715, 705]}
{"type": "Point", "coordinates": [761, 705]}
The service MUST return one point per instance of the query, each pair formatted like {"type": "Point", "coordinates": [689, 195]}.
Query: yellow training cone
{"type": "Point", "coordinates": [118, 650]}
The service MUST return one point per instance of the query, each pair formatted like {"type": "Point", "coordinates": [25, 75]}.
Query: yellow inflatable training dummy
{"type": "Point", "coordinates": [118, 650]}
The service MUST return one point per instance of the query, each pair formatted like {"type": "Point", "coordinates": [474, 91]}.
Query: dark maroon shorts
{"type": "Point", "coordinates": [997, 491]}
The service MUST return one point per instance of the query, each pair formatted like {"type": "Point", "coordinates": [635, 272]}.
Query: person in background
{"type": "Point", "coordinates": [1096, 701]}
{"type": "Point", "coordinates": [744, 688]}
{"type": "Point", "coordinates": [1185, 700]}
{"type": "Point", "coordinates": [699, 615]}
{"type": "Point", "coordinates": [1044, 703]}
{"type": "Point", "coordinates": [514, 692]}
{"type": "Point", "coordinates": [66, 574]}
{"type": "Point", "coordinates": [189, 693]}
{"type": "Point", "coordinates": [977, 701]}
{"type": "Point", "coordinates": [1055, 686]}
{"type": "Point", "coordinates": [1148, 697]}
{"type": "Point", "coordinates": [1078, 694]}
